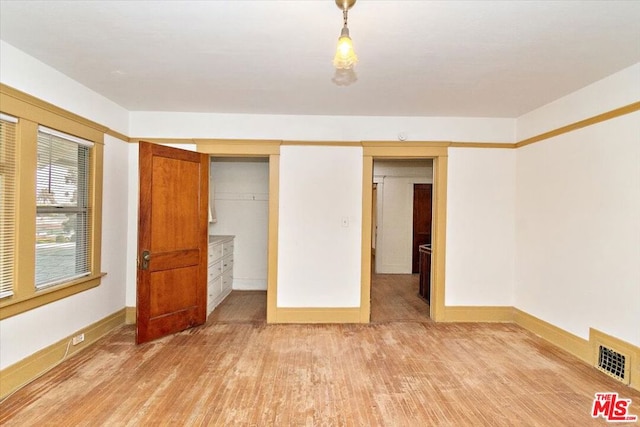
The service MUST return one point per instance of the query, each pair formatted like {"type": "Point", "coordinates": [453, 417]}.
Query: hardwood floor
{"type": "Point", "coordinates": [394, 298]}
{"type": "Point", "coordinates": [389, 373]}
{"type": "Point", "coordinates": [241, 306]}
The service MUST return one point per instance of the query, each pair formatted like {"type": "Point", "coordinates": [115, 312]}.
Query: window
{"type": "Point", "coordinates": [50, 202]}
{"type": "Point", "coordinates": [7, 203]}
{"type": "Point", "coordinates": [63, 217]}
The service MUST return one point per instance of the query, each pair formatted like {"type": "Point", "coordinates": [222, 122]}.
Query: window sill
{"type": "Point", "coordinates": [16, 305]}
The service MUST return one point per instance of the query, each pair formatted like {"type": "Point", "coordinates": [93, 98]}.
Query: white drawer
{"type": "Point", "coordinates": [227, 280]}
{"type": "Point", "coordinates": [215, 252]}
{"type": "Point", "coordinates": [227, 263]}
{"type": "Point", "coordinates": [227, 248]}
{"type": "Point", "coordinates": [214, 270]}
{"type": "Point", "coordinates": [214, 288]}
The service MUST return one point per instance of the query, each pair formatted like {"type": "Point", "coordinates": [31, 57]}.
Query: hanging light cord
{"type": "Point", "coordinates": [345, 12]}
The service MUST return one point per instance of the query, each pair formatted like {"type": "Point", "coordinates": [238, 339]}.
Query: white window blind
{"type": "Point", "coordinates": [63, 213]}
{"type": "Point", "coordinates": [7, 203]}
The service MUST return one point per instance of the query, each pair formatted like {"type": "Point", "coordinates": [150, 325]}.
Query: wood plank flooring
{"type": "Point", "coordinates": [248, 373]}
{"type": "Point", "coordinates": [394, 298]}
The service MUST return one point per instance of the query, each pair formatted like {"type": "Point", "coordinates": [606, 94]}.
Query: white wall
{"type": "Point", "coordinates": [133, 199]}
{"type": "Point", "coordinates": [319, 128]}
{"type": "Point", "coordinates": [319, 257]}
{"type": "Point", "coordinates": [25, 73]}
{"type": "Point", "coordinates": [26, 333]}
{"type": "Point", "coordinates": [241, 200]}
{"type": "Point", "coordinates": [617, 90]}
{"type": "Point", "coordinates": [578, 222]}
{"type": "Point", "coordinates": [395, 179]}
{"type": "Point", "coordinates": [480, 258]}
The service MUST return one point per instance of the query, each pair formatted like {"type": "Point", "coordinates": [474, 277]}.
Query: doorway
{"type": "Point", "coordinates": [239, 213]}
{"type": "Point", "coordinates": [399, 226]}
{"type": "Point", "coordinates": [384, 150]}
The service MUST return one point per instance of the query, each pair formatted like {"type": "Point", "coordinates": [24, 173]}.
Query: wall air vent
{"type": "Point", "coordinates": [613, 363]}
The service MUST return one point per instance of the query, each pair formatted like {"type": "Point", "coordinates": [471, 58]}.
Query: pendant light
{"type": "Point", "coordinates": [345, 57]}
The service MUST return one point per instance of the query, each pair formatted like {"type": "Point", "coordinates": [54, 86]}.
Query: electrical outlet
{"type": "Point", "coordinates": [77, 339]}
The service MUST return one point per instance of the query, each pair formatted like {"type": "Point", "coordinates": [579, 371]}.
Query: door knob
{"type": "Point", "coordinates": [146, 257]}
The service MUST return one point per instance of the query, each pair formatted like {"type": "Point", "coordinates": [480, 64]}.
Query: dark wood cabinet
{"type": "Point", "coordinates": [425, 272]}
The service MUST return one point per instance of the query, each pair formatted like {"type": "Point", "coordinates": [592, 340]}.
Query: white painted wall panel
{"type": "Point", "coordinates": [241, 192]}
{"type": "Point", "coordinates": [26, 333]}
{"type": "Point", "coordinates": [578, 222]}
{"type": "Point", "coordinates": [318, 258]}
{"type": "Point", "coordinates": [320, 128]}
{"type": "Point", "coordinates": [480, 259]}
{"type": "Point", "coordinates": [25, 73]}
{"type": "Point", "coordinates": [614, 91]}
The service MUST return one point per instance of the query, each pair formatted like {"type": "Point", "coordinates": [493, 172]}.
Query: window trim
{"type": "Point", "coordinates": [31, 113]}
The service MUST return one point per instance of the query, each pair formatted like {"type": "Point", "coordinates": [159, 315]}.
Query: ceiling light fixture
{"type": "Point", "coordinates": [345, 57]}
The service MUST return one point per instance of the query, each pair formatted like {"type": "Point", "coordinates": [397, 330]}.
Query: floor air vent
{"type": "Point", "coordinates": [612, 363]}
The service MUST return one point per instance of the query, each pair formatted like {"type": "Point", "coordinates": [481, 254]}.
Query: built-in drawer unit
{"type": "Point", "coordinates": [220, 270]}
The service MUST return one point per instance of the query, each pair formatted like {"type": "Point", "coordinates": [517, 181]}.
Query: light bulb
{"type": "Point", "coordinates": [345, 57]}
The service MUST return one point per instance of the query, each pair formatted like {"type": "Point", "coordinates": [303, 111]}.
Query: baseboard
{"type": "Point", "coordinates": [579, 347]}
{"type": "Point", "coordinates": [478, 314]}
{"type": "Point", "coordinates": [249, 284]}
{"type": "Point", "coordinates": [317, 315]}
{"type": "Point", "coordinates": [573, 344]}
{"type": "Point", "coordinates": [131, 316]}
{"type": "Point", "coordinates": [17, 375]}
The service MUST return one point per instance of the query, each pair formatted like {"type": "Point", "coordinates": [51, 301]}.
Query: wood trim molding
{"type": "Point", "coordinates": [412, 144]}
{"type": "Point", "coordinates": [508, 145]}
{"type": "Point", "coordinates": [366, 250]}
{"type": "Point", "coordinates": [21, 373]}
{"type": "Point", "coordinates": [236, 148]}
{"type": "Point", "coordinates": [378, 148]}
{"type": "Point", "coordinates": [406, 149]}
{"type": "Point", "coordinates": [272, 239]}
{"type": "Point", "coordinates": [325, 143]}
{"type": "Point", "coordinates": [118, 135]}
{"type": "Point", "coordinates": [438, 153]}
{"type": "Point", "coordinates": [130, 316]}
{"type": "Point", "coordinates": [573, 344]}
{"type": "Point", "coordinates": [582, 123]}
{"type": "Point", "coordinates": [16, 306]}
{"type": "Point", "coordinates": [478, 314]}
{"type": "Point", "coordinates": [318, 315]}
{"type": "Point", "coordinates": [8, 92]}
{"type": "Point", "coordinates": [136, 140]}
{"type": "Point", "coordinates": [439, 238]}
{"type": "Point", "coordinates": [587, 351]}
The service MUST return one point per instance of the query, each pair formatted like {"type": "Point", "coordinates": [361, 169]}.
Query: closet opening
{"type": "Point", "coordinates": [238, 239]}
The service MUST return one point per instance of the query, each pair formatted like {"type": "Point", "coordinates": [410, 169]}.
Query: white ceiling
{"type": "Point", "coordinates": [417, 58]}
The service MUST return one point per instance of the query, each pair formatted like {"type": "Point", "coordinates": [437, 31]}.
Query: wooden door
{"type": "Point", "coordinates": [421, 221]}
{"type": "Point", "coordinates": [173, 230]}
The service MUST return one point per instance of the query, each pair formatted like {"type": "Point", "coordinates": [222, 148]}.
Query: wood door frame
{"type": "Point", "coordinates": [435, 150]}
{"type": "Point", "coordinates": [271, 151]}
{"type": "Point", "coordinates": [438, 152]}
